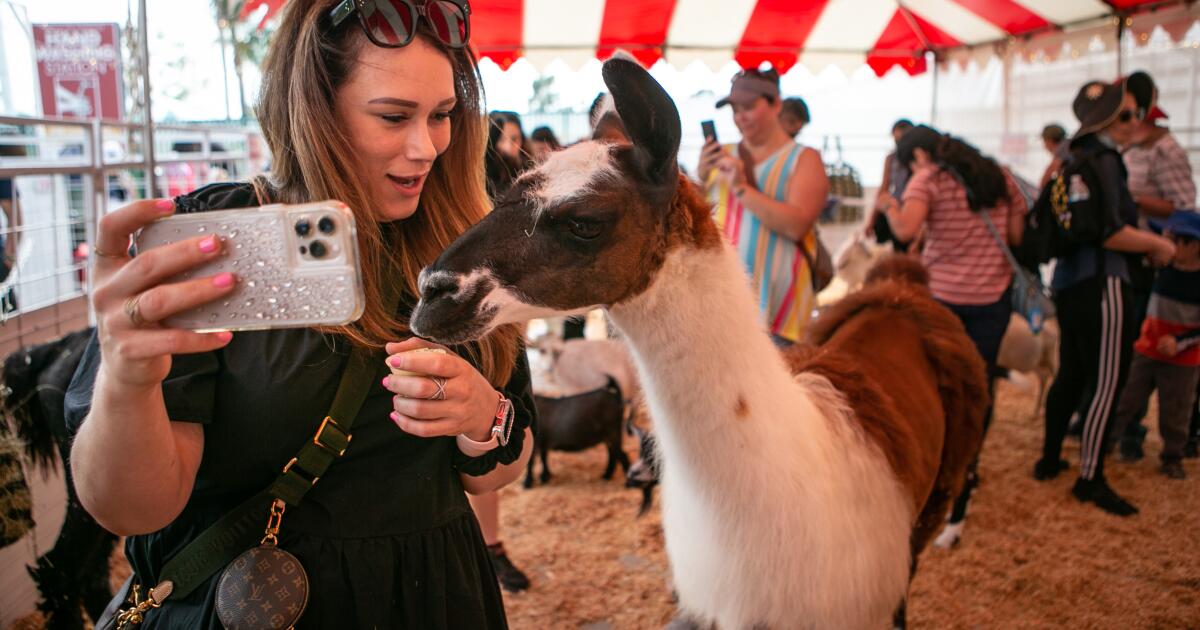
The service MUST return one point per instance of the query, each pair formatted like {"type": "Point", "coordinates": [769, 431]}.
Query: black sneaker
{"type": "Point", "coordinates": [511, 578]}
{"type": "Point", "coordinates": [1131, 451]}
{"type": "Point", "coordinates": [1045, 470]}
{"type": "Point", "coordinates": [1098, 491]}
{"type": "Point", "coordinates": [1191, 450]}
{"type": "Point", "coordinates": [1173, 469]}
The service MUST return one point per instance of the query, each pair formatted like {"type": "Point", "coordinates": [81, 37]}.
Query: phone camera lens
{"type": "Point", "coordinates": [303, 227]}
{"type": "Point", "coordinates": [317, 249]}
{"type": "Point", "coordinates": [326, 225]}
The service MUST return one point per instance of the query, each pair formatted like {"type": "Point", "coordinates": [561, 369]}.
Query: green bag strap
{"type": "Point", "coordinates": [242, 528]}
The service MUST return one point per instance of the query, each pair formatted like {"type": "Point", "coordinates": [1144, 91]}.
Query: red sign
{"type": "Point", "coordinates": [79, 69]}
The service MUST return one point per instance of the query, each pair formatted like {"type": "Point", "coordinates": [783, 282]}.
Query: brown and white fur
{"type": "Point", "coordinates": [793, 495]}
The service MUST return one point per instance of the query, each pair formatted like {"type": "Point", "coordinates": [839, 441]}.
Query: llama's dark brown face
{"type": "Point", "coordinates": [587, 228]}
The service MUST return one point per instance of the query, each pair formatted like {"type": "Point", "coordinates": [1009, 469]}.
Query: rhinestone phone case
{"type": "Point", "coordinates": [297, 265]}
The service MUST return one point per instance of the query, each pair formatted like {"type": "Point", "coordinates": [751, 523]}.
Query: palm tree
{"type": "Point", "coordinates": [249, 43]}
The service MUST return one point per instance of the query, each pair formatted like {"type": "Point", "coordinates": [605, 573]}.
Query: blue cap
{"type": "Point", "coordinates": [1180, 223]}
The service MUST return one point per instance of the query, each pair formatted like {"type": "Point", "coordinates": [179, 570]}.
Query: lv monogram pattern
{"type": "Point", "coordinates": [262, 589]}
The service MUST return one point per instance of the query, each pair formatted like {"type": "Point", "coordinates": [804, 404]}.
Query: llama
{"type": "Point", "coordinates": [796, 492]}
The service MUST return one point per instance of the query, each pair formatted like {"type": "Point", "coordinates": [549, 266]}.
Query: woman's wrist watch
{"type": "Point", "coordinates": [502, 423]}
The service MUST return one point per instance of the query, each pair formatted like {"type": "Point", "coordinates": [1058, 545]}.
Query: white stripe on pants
{"type": "Point", "coordinates": [1111, 315]}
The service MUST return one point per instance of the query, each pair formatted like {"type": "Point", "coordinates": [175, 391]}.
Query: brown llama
{"type": "Point", "coordinates": [790, 499]}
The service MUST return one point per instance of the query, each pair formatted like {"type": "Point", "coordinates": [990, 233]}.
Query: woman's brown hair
{"type": "Point", "coordinates": [313, 160]}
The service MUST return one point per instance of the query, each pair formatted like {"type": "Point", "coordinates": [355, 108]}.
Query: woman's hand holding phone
{"type": "Point", "coordinates": [131, 296]}
{"type": "Point", "coordinates": [446, 397]}
{"type": "Point", "coordinates": [710, 157]}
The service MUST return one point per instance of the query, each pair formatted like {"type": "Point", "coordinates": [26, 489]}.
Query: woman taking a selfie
{"type": "Point", "coordinates": [177, 428]}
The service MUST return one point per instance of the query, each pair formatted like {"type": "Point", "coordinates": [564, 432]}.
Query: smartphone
{"type": "Point", "coordinates": [297, 265]}
{"type": "Point", "coordinates": [709, 130]}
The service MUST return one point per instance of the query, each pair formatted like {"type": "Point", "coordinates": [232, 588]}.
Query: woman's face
{"type": "Point", "coordinates": [510, 140]}
{"type": "Point", "coordinates": [757, 120]}
{"type": "Point", "coordinates": [395, 109]}
{"type": "Point", "coordinates": [1122, 132]}
{"type": "Point", "coordinates": [791, 123]}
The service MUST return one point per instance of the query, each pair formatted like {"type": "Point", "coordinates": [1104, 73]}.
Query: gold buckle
{"type": "Point", "coordinates": [273, 522]}
{"type": "Point", "coordinates": [291, 463]}
{"type": "Point", "coordinates": [321, 430]}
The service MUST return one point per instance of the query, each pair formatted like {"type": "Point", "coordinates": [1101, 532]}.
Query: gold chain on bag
{"type": "Point", "coordinates": [135, 614]}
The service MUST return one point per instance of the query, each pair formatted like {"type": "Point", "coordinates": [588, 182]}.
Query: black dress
{"type": "Point", "coordinates": [387, 535]}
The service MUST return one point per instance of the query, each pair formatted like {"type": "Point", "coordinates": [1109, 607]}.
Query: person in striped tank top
{"type": "Point", "coordinates": [767, 193]}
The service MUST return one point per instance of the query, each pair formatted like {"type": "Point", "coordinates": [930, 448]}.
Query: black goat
{"type": "Point", "coordinates": [645, 471]}
{"type": "Point", "coordinates": [73, 575]}
{"type": "Point", "coordinates": [579, 422]}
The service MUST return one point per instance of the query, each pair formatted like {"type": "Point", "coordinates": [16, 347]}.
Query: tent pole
{"type": "Point", "coordinates": [1120, 48]}
{"type": "Point", "coordinates": [1006, 81]}
{"type": "Point", "coordinates": [933, 101]}
{"type": "Point", "coordinates": [148, 121]}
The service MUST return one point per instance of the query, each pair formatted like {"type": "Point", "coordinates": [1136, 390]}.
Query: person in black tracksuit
{"type": "Point", "coordinates": [1093, 298]}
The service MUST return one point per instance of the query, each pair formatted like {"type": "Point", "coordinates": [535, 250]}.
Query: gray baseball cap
{"type": "Point", "coordinates": [747, 87]}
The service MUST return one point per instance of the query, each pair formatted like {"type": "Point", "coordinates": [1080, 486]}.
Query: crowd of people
{"type": "Point", "coordinates": [963, 213]}
{"type": "Point", "coordinates": [406, 530]}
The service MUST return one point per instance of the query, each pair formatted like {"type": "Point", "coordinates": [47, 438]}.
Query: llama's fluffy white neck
{"type": "Point", "coordinates": [699, 340]}
{"type": "Point", "coordinates": [775, 508]}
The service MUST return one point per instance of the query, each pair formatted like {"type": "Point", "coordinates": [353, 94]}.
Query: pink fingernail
{"type": "Point", "coordinates": [395, 417]}
{"type": "Point", "coordinates": [165, 205]}
{"type": "Point", "coordinates": [385, 381]}
{"type": "Point", "coordinates": [223, 280]}
{"type": "Point", "coordinates": [224, 336]}
{"type": "Point", "coordinates": [208, 245]}
{"type": "Point", "coordinates": [394, 362]}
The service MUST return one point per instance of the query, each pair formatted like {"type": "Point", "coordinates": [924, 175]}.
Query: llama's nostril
{"type": "Point", "coordinates": [438, 285]}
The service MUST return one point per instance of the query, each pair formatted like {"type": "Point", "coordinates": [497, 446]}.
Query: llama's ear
{"type": "Point", "coordinates": [649, 116]}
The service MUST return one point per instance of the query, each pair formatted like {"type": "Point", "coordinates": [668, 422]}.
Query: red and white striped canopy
{"type": "Point", "coordinates": [882, 33]}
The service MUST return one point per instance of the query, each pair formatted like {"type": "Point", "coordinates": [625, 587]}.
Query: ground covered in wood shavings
{"type": "Point", "coordinates": [1031, 556]}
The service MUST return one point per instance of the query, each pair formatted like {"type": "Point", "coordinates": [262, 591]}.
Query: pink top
{"type": "Point", "coordinates": [966, 265]}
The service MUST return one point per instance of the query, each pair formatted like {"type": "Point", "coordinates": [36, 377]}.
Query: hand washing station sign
{"type": "Point", "coordinates": [79, 69]}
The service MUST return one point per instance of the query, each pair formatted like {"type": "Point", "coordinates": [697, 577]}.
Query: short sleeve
{"type": "Point", "coordinates": [1016, 199]}
{"type": "Point", "coordinates": [519, 391]}
{"type": "Point", "coordinates": [188, 391]}
{"type": "Point", "coordinates": [918, 188]}
{"type": "Point", "coordinates": [1173, 173]}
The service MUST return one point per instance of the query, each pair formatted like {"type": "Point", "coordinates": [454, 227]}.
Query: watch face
{"type": "Point", "coordinates": [502, 429]}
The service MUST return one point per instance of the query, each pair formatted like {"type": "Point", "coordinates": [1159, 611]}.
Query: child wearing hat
{"type": "Point", "coordinates": [1167, 354]}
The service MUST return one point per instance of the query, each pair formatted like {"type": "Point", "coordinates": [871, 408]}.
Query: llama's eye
{"type": "Point", "coordinates": [584, 229]}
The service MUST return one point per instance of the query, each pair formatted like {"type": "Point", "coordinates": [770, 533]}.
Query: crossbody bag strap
{"type": "Point", "coordinates": [1008, 255]}
{"type": "Point", "coordinates": [241, 528]}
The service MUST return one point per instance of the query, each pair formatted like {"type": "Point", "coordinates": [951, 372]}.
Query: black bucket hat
{"type": "Point", "coordinates": [1097, 105]}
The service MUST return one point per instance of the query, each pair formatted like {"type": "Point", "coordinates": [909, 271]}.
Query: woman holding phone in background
{"type": "Point", "coordinates": [177, 427]}
{"type": "Point", "coordinates": [768, 192]}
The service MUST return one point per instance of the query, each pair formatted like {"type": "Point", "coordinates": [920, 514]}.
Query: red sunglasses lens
{"type": "Point", "coordinates": [391, 22]}
{"type": "Point", "coordinates": [448, 22]}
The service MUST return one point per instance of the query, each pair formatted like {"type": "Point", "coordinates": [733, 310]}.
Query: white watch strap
{"type": "Point", "coordinates": [471, 448]}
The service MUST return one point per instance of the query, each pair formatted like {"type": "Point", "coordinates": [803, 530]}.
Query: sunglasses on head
{"type": "Point", "coordinates": [393, 23]}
